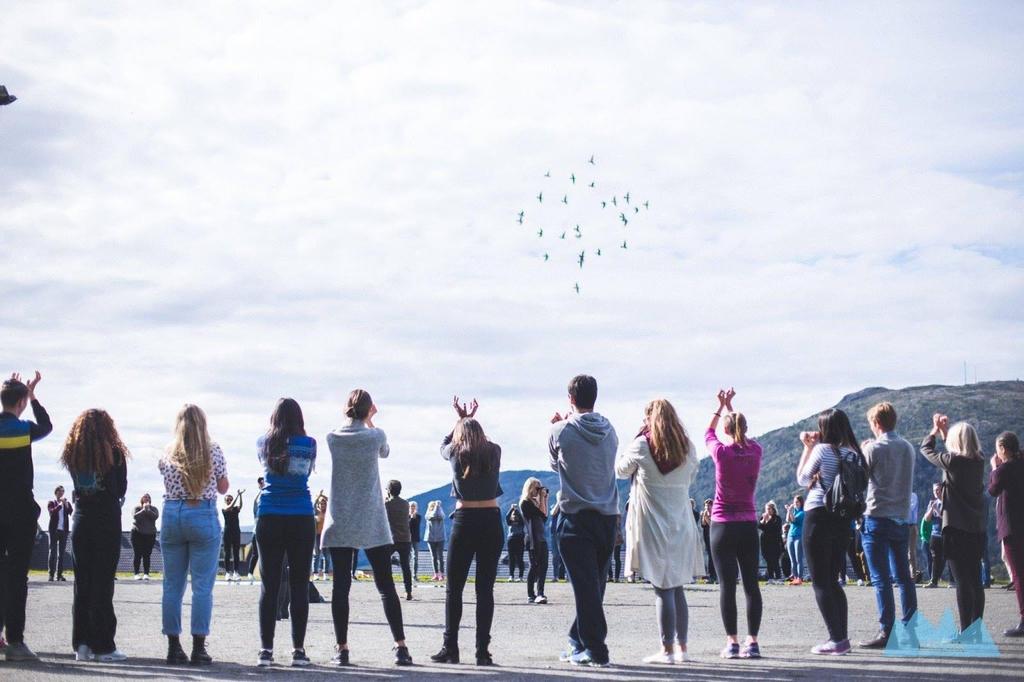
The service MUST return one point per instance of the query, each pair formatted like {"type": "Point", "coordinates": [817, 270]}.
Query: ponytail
{"type": "Point", "coordinates": [736, 427]}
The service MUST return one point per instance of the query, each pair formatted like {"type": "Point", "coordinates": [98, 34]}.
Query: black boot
{"type": "Point", "coordinates": [483, 657]}
{"type": "Point", "coordinates": [449, 653]}
{"type": "Point", "coordinates": [199, 654]}
{"type": "Point", "coordinates": [175, 654]}
{"type": "Point", "coordinates": [402, 656]}
{"type": "Point", "coordinates": [1015, 632]}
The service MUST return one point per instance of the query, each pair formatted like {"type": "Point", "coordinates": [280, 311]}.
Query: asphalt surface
{"type": "Point", "coordinates": [526, 638]}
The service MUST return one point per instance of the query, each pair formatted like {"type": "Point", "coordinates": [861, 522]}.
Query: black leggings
{"type": "Point", "coordinates": [964, 551]}
{"type": "Point", "coordinates": [142, 548]}
{"type": "Point", "coordinates": [734, 547]}
{"type": "Point", "coordinates": [476, 533]}
{"type": "Point", "coordinates": [826, 538]}
{"type": "Point", "coordinates": [280, 537]}
{"type": "Point", "coordinates": [380, 564]}
{"type": "Point", "coordinates": [772, 552]}
{"type": "Point", "coordinates": [938, 558]}
{"type": "Point", "coordinates": [516, 548]}
{"type": "Point", "coordinates": [710, 561]}
{"type": "Point", "coordinates": [232, 553]}
{"type": "Point", "coordinates": [538, 570]}
{"type": "Point", "coordinates": [404, 549]}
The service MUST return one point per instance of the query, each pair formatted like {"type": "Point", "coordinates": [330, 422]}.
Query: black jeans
{"type": "Point", "coordinates": [963, 551]}
{"type": "Point", "coordinates": [734, 549]}
{"type": "Point", "coordinates": [437, 556]}
{"type": "Point", "coordinates": [826, 538]}
{"type": "Point", "coordinates": [404, 549]}
{"type": "Point", "coordinates": [772, 552]}
{"type": "Point", "coordinates": [142, 549]}
{"type": "Point", "coordinates": [58, 543]}
{"type": "Point", "coordinates": [585, 541]}
{"type": "Point", "coordinates": [380, 564]}
{"type": "Point", "coordinates": [938, 558]}
{"type": "Point", "coordinates": [538, 570]}
{"type": "Point", "coordinates": [17, 537]}
{"type": "Point", "coordinates": [615, 574]}
{"type": "Point", "coordinates": [476, 534]}
{"type": "Point", "coordinates": [281, 537]}
{"type": "Point", "coordinates": [710, 561]}
{"type": "Point", "coordinates": [254, 557]}
{"type": "Point", "coordinates": [516, 548]}
{"type": "Point", "coordinates": [96, 547]}
{"type": "Point", "coordinates": [233, 553]}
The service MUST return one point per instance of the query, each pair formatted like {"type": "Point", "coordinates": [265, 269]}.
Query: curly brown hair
{"type": "Point", "coordinates": [93, 444]}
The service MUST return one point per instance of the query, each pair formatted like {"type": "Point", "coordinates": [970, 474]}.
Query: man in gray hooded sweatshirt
{"type": "Point", "coordinates": [583, 445]}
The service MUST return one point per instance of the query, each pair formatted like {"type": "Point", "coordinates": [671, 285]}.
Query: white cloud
{"type": "Point", "coordinates": [226, 205]}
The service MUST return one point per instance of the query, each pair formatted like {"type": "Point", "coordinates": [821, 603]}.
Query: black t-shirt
{"type": "Point", "coordinates": [231, 526]}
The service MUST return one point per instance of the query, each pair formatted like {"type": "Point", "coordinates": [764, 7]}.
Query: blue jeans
{"type": "Point", "coordinates": [190, 541]}
{"type": "Point", "coordinates": [795, 547]}
{"type": "Point", "coordinates": [885, 549]}
{"type": "Point", "coordinates": [585, 541]}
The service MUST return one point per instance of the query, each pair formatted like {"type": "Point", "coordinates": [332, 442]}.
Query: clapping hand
{"type": "Point", "coordinates": [557, 417]}
{"type": "Point", "coordinates": [465, 411]}
{"type": "Point", "coordinates": [809, 438]}
{"type": "Point", "coordinates": [729, 395]}
{"type": "Point", "coordinates": [31, 383]}
{"type": "Point", "coordinates": [940, 424]}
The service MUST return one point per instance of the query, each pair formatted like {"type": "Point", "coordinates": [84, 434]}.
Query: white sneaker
{"type": "Point", "coordinates": [680, 656]}
{"type": "Point", "coordinates": [84, 653]}
{"type": "Point", "coordinates": [860, 583]}
{"type": "Point", "coordinates": [661, 658]}
{"type": "Point", "coordinates": [114, 656]}
{"type": "Point", "coordinates": [145, 577]}
{"type": "Point", "coordinates": [138, 576]}
{"type": "Point", "coordinates": [540, 599]}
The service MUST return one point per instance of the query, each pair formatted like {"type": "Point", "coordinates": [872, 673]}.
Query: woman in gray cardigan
{"type": "Point", "coordinates": [357, 519]}
{"type": "Point", "coordinates": [435, 537]}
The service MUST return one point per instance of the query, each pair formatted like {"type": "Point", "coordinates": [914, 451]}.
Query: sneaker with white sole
{"type": "Point", "coordinates": [730, 651]}
{"type": "Point", "coordinates": [832, 648]}
{"type": "Point", "coordinates": [660, 658]}
{"type": "Point", "coordinates": [19, 651]}
{"type": "Point", "coordinates": [300, 659]}
{"type": "Point", "coordinates": [138, 576]}
{"type": "Point", "coordinates": [540, 599]}
{"type": "Point", "coordinates": [681, 656]}
{"type": "Point", "coordinates": [114, 656]}
{"type": "Point", "coordinates": [583, 659]}
{"type": "Point", "coordinates": [84, 653]}
{"type": "Point", "coordinates": [265, 658]}
{"type": "Point", "coordinates": [145, 577]}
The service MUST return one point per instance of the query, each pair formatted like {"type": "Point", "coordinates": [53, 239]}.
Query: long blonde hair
{"type": "Point", "coordinates": [735, 426]}
{"type": "Point", "coordinates": [668, 439]}
{"type": "Point", "coordinates": [189, 452]}
{"type": "Point", "coordinates": [530, 485]}
{"type": "Point", "coordinates": [962, 440]}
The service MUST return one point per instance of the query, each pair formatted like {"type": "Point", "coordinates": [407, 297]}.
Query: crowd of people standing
{"type": "Point", "coordinates": [663, 532]}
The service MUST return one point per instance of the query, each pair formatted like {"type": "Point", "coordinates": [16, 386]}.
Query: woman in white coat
{"type": "Point", "coordinates": [661, 535]}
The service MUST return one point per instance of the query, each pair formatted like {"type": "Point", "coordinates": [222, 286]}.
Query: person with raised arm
{"type": "Point", "coordinates": [194, 472]}
{"type": "Point", "coordinates": [705, 528]}
{"type": "Point", "coordinates": [398, 519]}
{"type": "Point", "coordinates": [734, 540]}
{"type": "Point", "coordinates": [285, 527]}
{"type": "Point", "coordinates": [890, 469]}
{"type": "Point", "coordinates": [97, 460]}
{"type": "Point", "coordinates": [827, 535]}
{"type": "Point", "coordinates": [963, 511]}
{"type": "Point", "coordinates": [533, 505]}
{"type": "Point", "coordinates": [357, 519]}
{"type": "Point", "coordinates": [583, 445]}
{"type": "Point", "coordinates": [794, 540]}
{"type": "Point", "coordinates": [60, 523]}
{"type": "Point", "coordinates": [321, 558]}
{"type": "Point", "coordinates": [662, 540]}
{"type": "Point", "coordinates": [435, 537]}
{"type": "Point", "coordinates": [143, 535]}
{"type": "Point", "coordinates": [1006, 484]}
{"type": "Point", "coordinates": [232, 535]}
{"type": "Point", "coordinates": [19, 512]}
{"type": "Point", "coordinates": [477, 533]}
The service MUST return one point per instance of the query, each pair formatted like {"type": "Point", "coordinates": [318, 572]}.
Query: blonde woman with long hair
{"type": "Point", "coordinates": [662, 539]}
{"type": "Point", "coordinates": [533, 504]}
{"type": "Point", "coordinates": [194, 473]}
{"type": "Point", "coordinates": [963, 511]}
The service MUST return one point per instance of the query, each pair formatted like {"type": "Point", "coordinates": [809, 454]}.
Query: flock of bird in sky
{"type": "Point", "coordinates": [569, 232]}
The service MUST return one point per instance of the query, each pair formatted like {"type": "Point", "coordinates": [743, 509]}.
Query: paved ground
{"type": "Point", "coordinates": [527, 638]}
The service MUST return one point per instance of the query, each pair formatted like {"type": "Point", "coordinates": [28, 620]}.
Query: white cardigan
{"type": "Point", "coordinates": [662, 538]}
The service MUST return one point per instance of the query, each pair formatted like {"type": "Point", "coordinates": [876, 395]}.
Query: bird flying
{"type": "Point", "coordinates": [636, 209]}
{"type": "Point", "coordinates": [626, 197]}
{"type": "Point", "coordinates": [647, 204]}
{"type": "Point", "coordinates": [591, 184]}
{"type": "Point", "coordinates": [598, 252]}
{"type": "Point", "coordinates": [577, 287]}
{"type": "Point", "coordinates": [614, 203]}
{"type": "Point", "coordinates": [573, 178]}
{"type": "Point", "coordinates": [548, 174]}
{"type": "Point", "coordinates": [546, 257]}
{"type": "Point", "coordinates": [521, 214]}
{"type": "Point", "coordinates": [582, 256]}
{"type": "Point", "coordinates": [540, 232]}
{"type": "Point", "coordinates": [540, 197]}
{"type": "Point", "coordinates": [623, 245]}
{"type": "Point", "coordinates": [563, 236]}
{"type": "Point", "coordinates": [603, 204]}
{"type": "Point", "coordinates": [565, 199]}
{"type": "Point", "coordinates": [591, 161]}
{"type": "Point", "coordinates": [622, 217]}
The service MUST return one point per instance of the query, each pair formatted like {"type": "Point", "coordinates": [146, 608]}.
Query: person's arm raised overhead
{"type": "Point", "coordinates": [940, 424]}
{"type": "Point", "coordinates": [554, 450]}
{"type": "Point", "coordinates": [42, 426]}
{"type": "Point", "coordinates": [710, 436]}
{"type": "Point", "coordinates": [238, 499]}
{"type": "Point", "coordinates": [628, 461]}
{"type": "Point", "coordinates": [810, 459]}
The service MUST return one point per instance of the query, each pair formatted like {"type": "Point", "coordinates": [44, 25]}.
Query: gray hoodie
{"type": "Point", "coordinates": [583, 449]}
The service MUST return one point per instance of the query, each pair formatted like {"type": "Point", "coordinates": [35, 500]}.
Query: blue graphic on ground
{"type": "Point", "coordinates": [919, 638]}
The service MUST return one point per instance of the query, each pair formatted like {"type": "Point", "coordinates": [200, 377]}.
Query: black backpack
{"type": "Point", "coordinates": [847, 498]}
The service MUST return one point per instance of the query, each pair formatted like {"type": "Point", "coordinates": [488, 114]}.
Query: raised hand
{"type": "Point", "coordinates": [809, 438]}
{"type": "Point", "coordinates": [729, 395]}
{"type": "Point", "coordinates": [721, 400]}
{"type": "Point", "coordinates": [369, 417]}
{"type": "Point", "coordinates": [557, 418]}
{"type": "Point", "coordinates": [473, 407]}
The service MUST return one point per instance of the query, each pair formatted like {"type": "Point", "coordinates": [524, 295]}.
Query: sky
{"type": "Point", "coordinates": [225, 204]}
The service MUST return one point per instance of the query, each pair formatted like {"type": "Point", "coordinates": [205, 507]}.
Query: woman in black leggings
{"type": "Point", "coordinates": [533, 504]}
{"type": "Point", "coordinates": [826, 536]}
{"type": "Point", "coordinates": [476, 531]}
{"type": "Point", "coordinates": [516, 542]}
{"type": "Point", "coordinates": [963, 514]}
{"type": "Point", "coordinates": [770, 526]}
{"type": "Point", "coordinates": [734, 524]}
